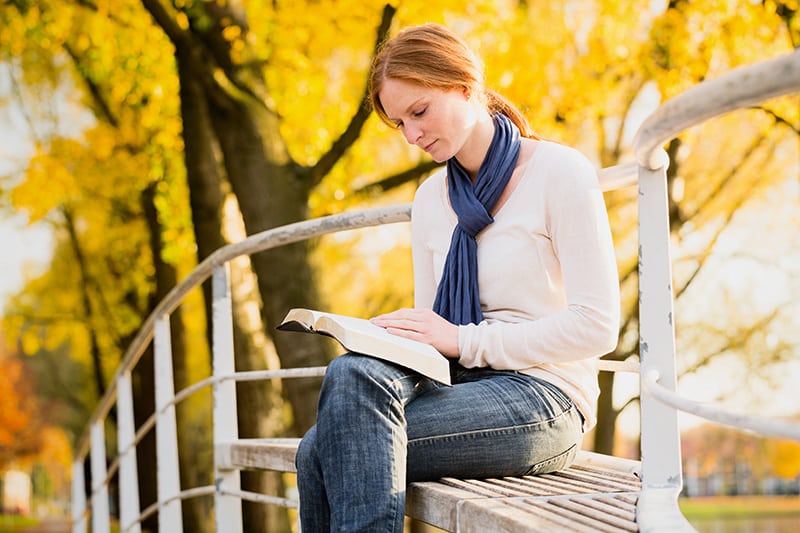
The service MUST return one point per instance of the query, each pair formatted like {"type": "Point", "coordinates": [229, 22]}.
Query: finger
{"type": "Point", "coordinates": [405, 333]}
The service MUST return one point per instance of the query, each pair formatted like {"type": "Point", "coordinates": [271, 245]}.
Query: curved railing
{"type": "Point", "coordinates": [737, 89]}
{"type": "Point", "coordinates": [661, 468]}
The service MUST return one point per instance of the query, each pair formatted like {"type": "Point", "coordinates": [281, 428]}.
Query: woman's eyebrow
{"type": "Point", "coordinates": [408, 109]}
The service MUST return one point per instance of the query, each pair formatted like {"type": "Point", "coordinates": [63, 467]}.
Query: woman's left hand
{"type": "Point", "coordinates": [421, 325]}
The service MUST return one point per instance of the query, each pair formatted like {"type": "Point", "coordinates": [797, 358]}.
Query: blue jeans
{"type": "Point", "coordinates": [380, 426]}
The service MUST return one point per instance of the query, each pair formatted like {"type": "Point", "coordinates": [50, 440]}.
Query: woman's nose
{"type": "Point", "coordinates": [412, 133]}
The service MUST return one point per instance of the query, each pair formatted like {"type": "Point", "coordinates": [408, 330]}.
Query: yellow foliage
{"type": "Point", "coordinates": [785, 455]}
{"type": "Point", "coordinates": [49, 183]}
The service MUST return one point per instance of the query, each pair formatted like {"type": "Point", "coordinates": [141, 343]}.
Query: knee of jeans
{"type": "Point", "coordinates": [306, 455]}
{"type": "Point", "coordinates": [348, 370]}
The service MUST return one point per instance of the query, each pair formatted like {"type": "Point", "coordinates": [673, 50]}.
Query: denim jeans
{"type": "Point", "coordinates": [380, 426]}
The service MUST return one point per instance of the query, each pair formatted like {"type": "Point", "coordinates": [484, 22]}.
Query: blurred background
{"type": "Point", "coordinates": [138, 136]}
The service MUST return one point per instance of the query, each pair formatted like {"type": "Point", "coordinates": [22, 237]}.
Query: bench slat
{"type": "Point", "coordinates": [587, 511]}
{"type": "Point", "coordinates": [259, 454]}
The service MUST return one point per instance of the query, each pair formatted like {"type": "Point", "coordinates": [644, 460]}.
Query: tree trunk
{"type": "Point", "coordinates": [606, 415]}
{"type": "Point", "coordinates": [206, 197]}
{"type": "Point", "coordinates": [272, 192]}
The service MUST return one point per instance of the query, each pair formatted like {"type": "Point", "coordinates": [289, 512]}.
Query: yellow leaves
{"type": "Point", "coordinates": [785, 458]}
{"type": "Point", "coordinates": [182, 20]}
{"type": "Point", "coordinates": [47, 185]}
{"type": "Point", "coordinates": [231, 32]}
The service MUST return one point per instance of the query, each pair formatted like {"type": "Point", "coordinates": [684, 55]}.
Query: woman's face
{"type": "Point", "coordinates": [440, 122]}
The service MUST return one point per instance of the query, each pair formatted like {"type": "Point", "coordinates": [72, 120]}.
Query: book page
{"type": "Point", "coordinates": [365, 327]}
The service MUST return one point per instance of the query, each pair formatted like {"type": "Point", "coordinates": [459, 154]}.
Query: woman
{"type": "Point", "coordinates": [515, 282]}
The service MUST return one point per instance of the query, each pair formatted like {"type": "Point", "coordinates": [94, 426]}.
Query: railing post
{"type": "Point", "coordinates": [78, 497]}
{"type": "Point", "coordinates": [128, 476]}
{"type": "Point", "coordinates": [169, 512]}
{"type": "Point", "coordinates": [660, 438]}
{"type": "Point", "coordinates": [228, 509]}
{"type": "Point", "coordinates": [101, 519]}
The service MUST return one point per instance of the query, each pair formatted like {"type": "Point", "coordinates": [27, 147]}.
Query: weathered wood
{"type": "Point", "coordinates": [596, 493]}
{"type": "Point", "coordinates": [258, 454]}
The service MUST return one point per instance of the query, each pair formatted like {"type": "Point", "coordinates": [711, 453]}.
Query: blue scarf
{"type": "Point", "coordinates": [457, 297]}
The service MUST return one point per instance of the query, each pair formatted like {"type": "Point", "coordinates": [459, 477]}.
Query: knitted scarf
{"type": "Point", "coordinates": [457, 297]}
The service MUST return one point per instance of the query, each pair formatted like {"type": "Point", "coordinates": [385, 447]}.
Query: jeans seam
{"type": "Point", "coordinates": [533, 426]}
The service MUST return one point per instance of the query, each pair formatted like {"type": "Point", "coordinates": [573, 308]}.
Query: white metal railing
{"type": "Point", "coordinates": [661, 466]}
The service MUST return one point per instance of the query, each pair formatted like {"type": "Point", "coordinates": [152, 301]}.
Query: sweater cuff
{"type": "Point", "coordinates": [467, 354]}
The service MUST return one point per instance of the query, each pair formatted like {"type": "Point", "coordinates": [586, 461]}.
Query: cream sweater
{"type": "Point", "coordinates": [547, 274]}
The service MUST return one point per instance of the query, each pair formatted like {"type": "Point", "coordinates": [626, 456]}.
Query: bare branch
{"type": "Point", "coordinates": [732, 344]}
{"type": "Point", "coordinates": [351, 133]}
{"type": "Point", "coordinates": [778, 119]}
{"type": "Point", "coordinates": [744, 195]}
{"type": "Point", "coordinates": [399, 179]}
{"type": "Point", "coordinates": [97, 366]}
{"type": "Point", "coordinates": [22, 107]}
{"type": "Point", "coordinates": [94, 89]}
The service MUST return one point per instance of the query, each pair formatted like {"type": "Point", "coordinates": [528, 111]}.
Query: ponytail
{"type": "Point", "coordinates": [498, 104]}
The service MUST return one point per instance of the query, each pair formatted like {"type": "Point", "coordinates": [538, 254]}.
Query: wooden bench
{"type": "Point", "coordinates": [597, 493]}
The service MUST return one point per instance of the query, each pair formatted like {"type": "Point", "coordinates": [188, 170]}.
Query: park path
{"type": "Point", "coordinates": [49, 525]}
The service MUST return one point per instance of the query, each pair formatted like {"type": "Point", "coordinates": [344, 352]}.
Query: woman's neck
{"type": "Point", "coordinates": [476, 147]}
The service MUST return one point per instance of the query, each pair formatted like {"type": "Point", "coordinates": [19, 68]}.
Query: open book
{"type": "Point", "coordinates": [364, 337]}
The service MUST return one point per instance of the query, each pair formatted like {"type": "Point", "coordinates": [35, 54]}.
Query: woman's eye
{"type": "Point", "coordinates": [419, 113]}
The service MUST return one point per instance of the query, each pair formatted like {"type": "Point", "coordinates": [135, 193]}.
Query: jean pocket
{"type": "Point", "coordinates": [554, 464]}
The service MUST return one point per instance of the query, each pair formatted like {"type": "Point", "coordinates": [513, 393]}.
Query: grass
{"type": "Point", "coordinates": [740, 507]}
{"type": "Point", "coordinates": [9, 523]}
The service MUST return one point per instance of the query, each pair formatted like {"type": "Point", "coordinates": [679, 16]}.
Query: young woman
{"type": "Point", "coordinates": [515, 283]}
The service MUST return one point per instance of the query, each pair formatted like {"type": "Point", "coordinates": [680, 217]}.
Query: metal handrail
{"type": "Point", "coordinates": [761, 425]}
{"type": "Point", "coordinates": [736, 89]}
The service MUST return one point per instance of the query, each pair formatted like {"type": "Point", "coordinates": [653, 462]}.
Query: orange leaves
{"type": "Point", "coordinates": [12, 415]}
{"type": "Point", "coordinates": [785, 458]}
{"type": "Point", "coordinates": [714, 449]}
{"type": "Point", "coordinates": [18, 422]}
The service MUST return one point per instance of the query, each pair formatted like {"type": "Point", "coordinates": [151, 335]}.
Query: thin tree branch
{"type": "Point", "coordinates": [398, 179]}
{"type": "Point", "coordinates": [22, 107]}
{"type": "Point", "coordinates": [94, 89]}
{"type": "Point", "coordinates": [353, 130]}
{"type": "Point", "coordinates": [732, 344]}
{"type": "Point", "coordinates": [99, 377]}
{"type": "Point", "coordinates": [778, 119]}
{"type": "Point", "coordinates": [738, 202]}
